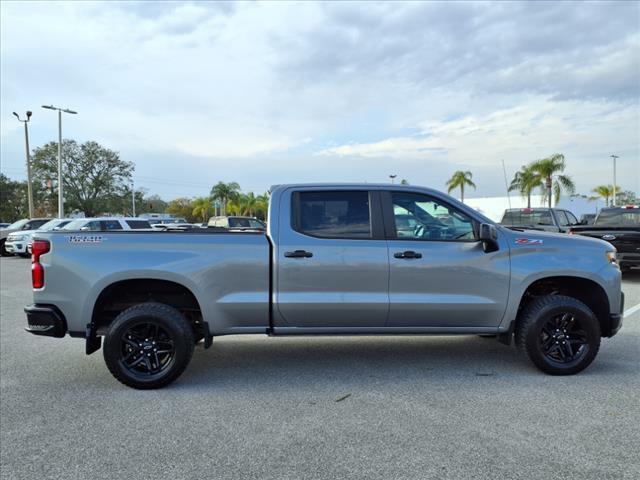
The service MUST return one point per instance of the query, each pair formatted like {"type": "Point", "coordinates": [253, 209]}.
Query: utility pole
{"type": "Point", "coordinates": [26, 145]}
{"type": "Point", "coordinates": [615, 157]}
{"type": "Point", "coordinates": [133, 199]}
{"type": "Point", "coordinates": [60, 186]}
{"type": "Point", "coordinates": [392, 177]}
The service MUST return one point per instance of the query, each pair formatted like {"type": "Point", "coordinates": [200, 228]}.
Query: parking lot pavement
{"type": "Point", "coordinates": [306, 408]}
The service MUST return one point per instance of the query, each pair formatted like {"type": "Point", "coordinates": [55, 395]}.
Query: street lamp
{"type": "Point", "coordinates": [615, 157]}
{"type": "Point", "coordinates": [60, 189]}
{"type": "Point", "coordinates": [26, 144]}
{"type": "Point", "coordinates": [392, 177]}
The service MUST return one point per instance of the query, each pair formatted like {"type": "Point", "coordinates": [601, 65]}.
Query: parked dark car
{"type": "Point", "coordinates": [547, 219]}
{"type": "Point", "coordinates": [587, 219]}
{"type": "Point", "coordinates": [620, 226]}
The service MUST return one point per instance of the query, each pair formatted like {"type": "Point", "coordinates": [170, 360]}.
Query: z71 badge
{"type": "Point", "coordinates": [85, 238]}
{"type": "Point", "coordinates": [528, 241]}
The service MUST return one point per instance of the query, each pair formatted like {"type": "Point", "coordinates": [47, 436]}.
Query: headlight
{"type": "Point", "coordinates": [611, 257]}
{"type": "Point", "coordinates": [17, 238]}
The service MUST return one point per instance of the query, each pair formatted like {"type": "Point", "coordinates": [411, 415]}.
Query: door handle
{"type": "Point", "coordinates": [407, 254]}
{"type": "Point", "coordinates": [298, 254]}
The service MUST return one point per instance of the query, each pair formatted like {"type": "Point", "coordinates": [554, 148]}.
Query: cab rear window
{"type": "Point", "coordinates": [527, 217]}
{"type": "Point", "coordinates": [618, 217]}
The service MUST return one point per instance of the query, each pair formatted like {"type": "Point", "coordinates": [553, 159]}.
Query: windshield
{"type": "Point", "coordinates": [51, 224]}
{"type": "Point", "coordinates": [618, 217]}
{"type": "Point", "coordinates": [75, 224]}
{"type": "Point", "coordinates": [17, 225]}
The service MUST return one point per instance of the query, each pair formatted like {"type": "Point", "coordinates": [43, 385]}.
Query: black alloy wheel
{"type": "Point", "coordinates": [562, 339]}
{"type": "Point", "coordinates": [146, 349]}
{"type": "Point", "coordinates": [148, 345]}
{"type": "Point", "coordinates": [560, 334]}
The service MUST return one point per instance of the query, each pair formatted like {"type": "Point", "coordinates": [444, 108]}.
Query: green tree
{"type": "Point", "coordinates": [627, 197]}
{"type": "Point", "coordinates": [181, 207]}
{"type": "Point", "coordinates": [404, 181]}
{"type": "Point", "coordinates": [225, 192]}
{"type": "Point", "coordinates": [524, 182]}
{"type": "Point", "coordinates": [262, 206]}
{"type": "Point", "coordinates": [13, 199]}
{"type": "Point", "coordinates": [603, 191]}
{"type": "Point", "coordinates": [458, 180]}
{"type": "Point", "coordinates": [549, 169]}
{"type": "Point", "coordinates": [95, 178]}
{"type": "Point", "coordinates": [202, 208]}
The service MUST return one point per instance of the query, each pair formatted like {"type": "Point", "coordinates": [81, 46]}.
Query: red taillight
{"type": "Point", "coordinates": [38, 247]}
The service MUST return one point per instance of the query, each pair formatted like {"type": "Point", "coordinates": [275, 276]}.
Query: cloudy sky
{"type": "Point", "coordinates": [265, 93]}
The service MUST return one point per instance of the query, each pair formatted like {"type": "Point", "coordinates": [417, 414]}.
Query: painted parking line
{"type": "Point", "coordinates": [631, 311]}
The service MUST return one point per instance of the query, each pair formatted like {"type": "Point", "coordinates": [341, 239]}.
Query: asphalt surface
{"type": "Point", "coordinates": [317, 408]}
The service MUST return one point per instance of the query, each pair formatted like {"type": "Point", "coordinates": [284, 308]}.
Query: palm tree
{"type": "Point", "coordinates": [225, 192]}
{"type": "Point", "coordinates": [604, 191]}
{"type": "Point", "coordinates": [460, 179]}
{"type": "Point", "coordinates": [262, 206]}
{"type": "Point", "coordinates": [202, 208]}
{"type": "Point", "coordinates": [525, 181]}
{"type": "Point", "coordinates": [548, 169]}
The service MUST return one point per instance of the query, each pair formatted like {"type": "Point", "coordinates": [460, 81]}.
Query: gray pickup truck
{"type": "Point", "coordinates": [336, 259]}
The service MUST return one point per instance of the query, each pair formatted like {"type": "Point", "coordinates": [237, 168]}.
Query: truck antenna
{"type": "Point", "coordinates": [506, 185]}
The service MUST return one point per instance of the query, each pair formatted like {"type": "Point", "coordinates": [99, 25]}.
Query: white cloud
{"type": "Point", "coordinates": [530, 130]}
{"type": "Point", "coordinates": [252, 91]}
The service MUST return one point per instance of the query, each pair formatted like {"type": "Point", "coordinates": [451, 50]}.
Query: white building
{"type": "Point", "coordinates": [494, 207]}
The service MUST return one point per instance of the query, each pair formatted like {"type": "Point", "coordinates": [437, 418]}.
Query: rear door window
{"type": "Point", "coordinates": [341, 214]}
{"type": "Point", "coordinates": [112, 225]}
{"type": "Point", "coordinates": [138, 224]}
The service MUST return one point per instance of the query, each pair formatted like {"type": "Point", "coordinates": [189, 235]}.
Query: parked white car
{"type": "Point", "coordinates": [108, 224]}
{"type": "Point", "coordinates": [17, 227]}
{"type": "Point", "coordinates": [17, 243]}
{"type": "Point", "coordinates": [55, 224]}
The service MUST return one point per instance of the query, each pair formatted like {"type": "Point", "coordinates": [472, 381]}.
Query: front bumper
{"type": "Point", "coordinates": [615, 319]}
{"type": "Point", "coordinates": [628, 260]}
{"type": "Point", "coordinates": [45, 320]}
{"type": "Point", "coordinates": [16, 247]}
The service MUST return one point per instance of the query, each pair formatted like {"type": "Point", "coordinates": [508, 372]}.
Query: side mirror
{"type": "Point", "coordinates": [84, 228]}
{"type": "Point", "coordinates": [488, 235]}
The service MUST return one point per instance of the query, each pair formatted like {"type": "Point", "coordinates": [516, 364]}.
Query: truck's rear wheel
{"type": "Point", "coordinates": [559, 334]}
{"type": "Point", "coordinates": [148, 345]}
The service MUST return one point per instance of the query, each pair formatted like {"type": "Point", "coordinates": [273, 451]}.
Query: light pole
{"type": "Point", "coordinates": [60, 189]}
{"type": "Point", "coordinates": [392, 177]}
{"type": "Point", "coordinates": [615, 157]}
{"type": "Point", "coordinates": [26, 145]}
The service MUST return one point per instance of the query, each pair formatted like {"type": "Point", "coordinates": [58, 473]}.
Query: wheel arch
{"type": "Point", "coordinates": [584, 289]}
{"type": "Point", "coordinates": [121, 294]}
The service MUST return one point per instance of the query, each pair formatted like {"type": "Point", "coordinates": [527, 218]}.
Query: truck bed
{"type": "Point", "coordinates": [89, 262]}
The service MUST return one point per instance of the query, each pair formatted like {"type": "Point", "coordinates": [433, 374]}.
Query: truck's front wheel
{"type": "Point", "coordinates": [148, 345]}
{"type": "Point", "coordinates": [559, 334]}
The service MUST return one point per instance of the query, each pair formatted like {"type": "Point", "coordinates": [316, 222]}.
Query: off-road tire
{"type": "Point", "coordinates": [536, 315]}
{"type": "Point", "coordinates": [167, 320]}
